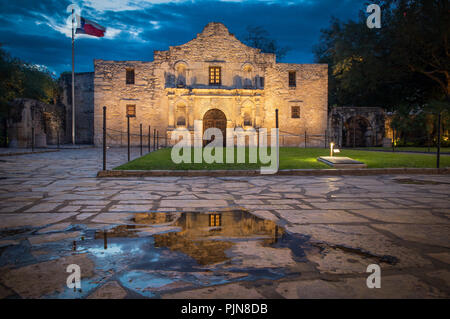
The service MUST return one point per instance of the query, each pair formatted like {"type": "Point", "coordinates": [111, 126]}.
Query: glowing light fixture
{"type": "Point", "coordinates": [333, 150]}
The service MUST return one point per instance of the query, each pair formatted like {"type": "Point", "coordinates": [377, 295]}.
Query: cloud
{"type": "Point", "coordinates": [124, 5]}
{"type": "Point", "coordinates": [40, 31]}
{"type": "Point", "coordinates": [111, 33]}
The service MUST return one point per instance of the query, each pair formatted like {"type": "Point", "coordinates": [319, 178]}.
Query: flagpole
{"type": "Point", "coordinates": [73, 78]}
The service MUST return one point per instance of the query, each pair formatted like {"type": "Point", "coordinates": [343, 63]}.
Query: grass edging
{"type": "Point", "coordinates": [294, 172]}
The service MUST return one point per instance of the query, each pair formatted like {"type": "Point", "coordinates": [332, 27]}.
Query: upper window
{"type": "Point", "coordinates": [295, 112]}
{"type": "Point", "coordinates": [214, 75]}
{"type": "Point", "coordinates": [292, 79]}
{"type": "Point", "coordinates": [130, 76]}
{"type": "Point", "coordinates": [215, 220]}
{"type": "Point", "coordinates": [131, 110]}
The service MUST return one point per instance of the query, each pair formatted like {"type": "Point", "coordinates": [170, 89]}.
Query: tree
{"type": "Point", "coordinates": [402, 66]}
{"type": "Point", "coordinates": [258, 37]}
{"type": "Point", "coordinates": [11, 80]}
{"type": "Point", "coordinates": [23, 80]}
{"type": "Point", "coordinates": [404, 62]}
{"type": "Point", "coordinates": [421, 35]}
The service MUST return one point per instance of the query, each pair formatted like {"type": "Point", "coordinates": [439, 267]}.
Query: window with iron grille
{"type": "Point", "coordinates": [292, 79]}
{"type": "Point", "coordinates": [295, 112]}
{"type": "Point", "coordinates": [130, 76]}
{"type": "Point", "coordinates": [215, 220]}
{"type": "Point", "coordinates": [214, 75]}
{"type": "Point", "coordinates": [131, 110]}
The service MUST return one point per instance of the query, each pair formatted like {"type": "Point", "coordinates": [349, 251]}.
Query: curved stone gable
{"type": "Point", "coordinates": [216, 43]}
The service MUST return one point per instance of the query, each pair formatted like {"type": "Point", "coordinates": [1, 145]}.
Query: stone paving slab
{"type": "Point", "coordinates": [399, 221]}
{"type": "Point", "coordinates": [282, 172]}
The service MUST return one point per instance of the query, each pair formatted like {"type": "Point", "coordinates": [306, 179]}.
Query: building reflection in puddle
{"type": "Point", "coordinates": [151, 253]}
{"type": "Point", "coordinates": [205, 237]}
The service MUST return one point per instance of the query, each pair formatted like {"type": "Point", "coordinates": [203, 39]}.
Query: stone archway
{"type": "Point", "coordinates": [357, 132]}
{"type": "Point", "coordinates": [215, 118]}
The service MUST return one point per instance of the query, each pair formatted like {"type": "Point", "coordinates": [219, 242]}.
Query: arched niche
{"type": "Point", "coordinates": [180, 68]}
{"type": "Point", "coordinates": [247, 71]}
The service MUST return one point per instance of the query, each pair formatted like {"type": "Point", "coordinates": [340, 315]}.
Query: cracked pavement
{"type": "Point", "coordinates": [399, 222]}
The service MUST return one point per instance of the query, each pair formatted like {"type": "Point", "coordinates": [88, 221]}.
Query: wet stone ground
{"type": "Point", "coordinates": [205, 237]}
{"type": "Point", "coordinates": [152, 253]}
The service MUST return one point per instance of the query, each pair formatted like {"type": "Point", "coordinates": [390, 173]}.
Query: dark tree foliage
{"type": "Point", "coordinates": [402, 67]}
{"type": "Point", "coordinates": [405, 62]}
{"type": "Point", "coordinates": [22, 80]}
{"type": "Point", "coordinates": [258, 37]}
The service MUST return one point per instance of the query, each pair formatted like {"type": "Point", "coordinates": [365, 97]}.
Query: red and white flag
{"type": "Point", "coordinates": [85, 26]}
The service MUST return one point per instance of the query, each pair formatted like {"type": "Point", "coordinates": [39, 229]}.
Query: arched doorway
{"type": "Point", "coordinates": [357, 132]}
{"type": "Point", "coordinates": [215, 118]}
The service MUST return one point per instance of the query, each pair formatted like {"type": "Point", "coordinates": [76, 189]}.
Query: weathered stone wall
{"type": "Point", "coordinates": [342, 121]}
{"type": "Point", "coordinates": [310, 94]}
{"type": "Point", "coordinates": [112, 91]}
{"type": "Point", "coordinates": [84, 106]}
{"type": "Point", "coordinates": [46, 119]}
{"type": "Point", "coordinates": [176, 86]}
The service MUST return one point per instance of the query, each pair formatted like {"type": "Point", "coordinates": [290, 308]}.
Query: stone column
{"type": "Point", "coordinates": [190, 113]}
{"type": "Point", "coordinates": [171, 112]}
{"type": "Point", "coordinates": [257, 112]}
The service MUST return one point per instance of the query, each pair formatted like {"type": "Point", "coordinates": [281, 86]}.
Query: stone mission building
{"type": "Point", "coordinates": [215, 79]}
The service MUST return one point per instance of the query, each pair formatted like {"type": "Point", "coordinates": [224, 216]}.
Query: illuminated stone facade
{"type": "Point", "coordinates": [214, 71]}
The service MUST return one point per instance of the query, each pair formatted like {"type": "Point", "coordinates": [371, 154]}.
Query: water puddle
{"type": "Point", "coordinates": [148, 254]}
{"type": "Point", "coordinates": [418, 182]}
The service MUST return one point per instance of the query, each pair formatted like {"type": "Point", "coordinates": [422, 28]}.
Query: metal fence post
{"type": "Point", "coordinates": [276, 125]}
{"type": "Point", "coordinates": [57, 139]}
{"type": "Point", "coordinates": [5, 135]}
{"type": "Point", "coordinates": [305, 138]}
{"type": "Point", "coordinates": [104, 138]}
{"type": "Point", "coordinates": [157, 140]}
{"type": "Point", "coordinates": [257, 137]}
{"type": "Point", "coordinates": [140, 136]}
{"type": "Point", "coordinates": [32, 139]}
{"type": "Point", "coordinates": [438, 153]}
{"type": "Point", "coordinates": [376, 137]}
{"type": "Point", "coordinates": [154, 138]}
{"type": "Point", "coordinates": [276, 118]}
{"type": "Point", "coordinates": [149, 141]}
{"type": "Point", "coordinates": [128, 136]}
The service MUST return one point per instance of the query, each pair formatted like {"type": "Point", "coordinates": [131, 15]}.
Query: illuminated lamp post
{"type": "Point", "coordinates": [333, 150]}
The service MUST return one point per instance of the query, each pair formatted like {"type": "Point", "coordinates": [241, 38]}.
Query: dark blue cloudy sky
{"type": "Point", "coordinates": [37, 30]}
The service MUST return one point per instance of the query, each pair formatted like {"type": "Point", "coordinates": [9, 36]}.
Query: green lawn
{"type": "Point", "coordinates": [409, 149]}
{"type": "Point", "coordinates": [290, 158]}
